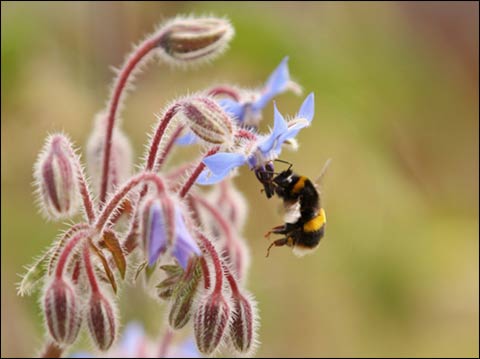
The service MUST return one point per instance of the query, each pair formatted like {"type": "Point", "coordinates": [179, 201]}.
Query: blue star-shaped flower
{"type": "Point", "coordinates": [268, 148]}
{"type": "Point", "coordinates": [249, 112]}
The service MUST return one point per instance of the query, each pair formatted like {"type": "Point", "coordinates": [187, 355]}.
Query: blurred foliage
{"type": "Point", "coordinates": [396, 88]}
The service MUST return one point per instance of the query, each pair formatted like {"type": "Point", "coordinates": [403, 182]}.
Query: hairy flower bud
{"type": "Point", "coordinates": [210, 322]}
{"type": "Point", "coordinates": [62, 312]}
{"type": "Point", "coordinates": [121, 161]}
{"type": "Point", "coordinates": [183, 295]}
{"type": "Point", "coordinates": [157, 226]}
{"type": "Point", "coordinates": [57, 178]}
{"type": "Point", "coordinates": [101, 321]}
{"type": "Point", "coordinates": [189, 40]}
{"type": "Point", "coordinates": [242, 328]}
{"type": "Point", "coordinates": [208, 120]}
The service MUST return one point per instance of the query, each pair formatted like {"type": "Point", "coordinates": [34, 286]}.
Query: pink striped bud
{"type": "Point", "coordinates": [193, 40]}
{"type": "Point", "coordinates": [121, 162]}
{"type": "Point", "coordinates": [157, 226]}
{"type": "Point", "coordinates": [210, 322]}
{"type": "Point", "coordinates": [56, 176]}
{"type": "Point", "coordinates": [62, 312]}
{"type": "Point", "coordinates": [208, 120]}
{"type": "Point", "coordinates": [101, 321]}
{"type": "Point", "coordinates": [242, 328]}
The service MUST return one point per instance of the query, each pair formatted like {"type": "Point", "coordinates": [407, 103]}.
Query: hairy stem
{"type": "Point", "coordinates": [117, 198]}
{"type": "Point", "coordinates": [193, 177]}
{"type": "Point", "coordinates": [113, 104]}
{"type": "Point", "coordinates": [67, 250]}
{"type": "Point", "coordinates": [217, 264]}
{"type": "Point", "coordinates": [92, 279]}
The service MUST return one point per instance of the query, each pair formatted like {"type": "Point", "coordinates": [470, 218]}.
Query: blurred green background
{"type": "Point", "coordinates": [396, 88]}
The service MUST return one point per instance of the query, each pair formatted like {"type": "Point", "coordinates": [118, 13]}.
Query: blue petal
{"type": "Point", "coordinates": [276, 84]}
{"type": "Point", "coordinates": [157, 236]}
{"type": "Point", "coordinates": [188, 349]}
{"type": "Point", "coordinates": [233, 108]}
{"type": "Point", "coordinates": [187, 139]}
{"type": "Point", "coordinates": [132, 338]}
{"type": "Point", "coordinates": [307, 110]}
{"type": "Point", "coordinates": [81, 355]}
{"type": "Point", "coordinates": [219, 165]}
{"type": "Point", "coordinates": [279, 127]}
{"type": "Point", "coordinates": [185, 246]}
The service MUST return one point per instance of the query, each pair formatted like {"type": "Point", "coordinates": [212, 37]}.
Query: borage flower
{"type": "Point", "coordinates": [247, 110]}
{"type": "Point", "coordinates": [264, 150]}
{"type": "Point", "coordinates": [163, 227]}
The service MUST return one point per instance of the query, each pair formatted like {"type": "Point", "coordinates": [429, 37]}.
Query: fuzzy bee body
{"type": "Point", "coordinates": [305, 233]}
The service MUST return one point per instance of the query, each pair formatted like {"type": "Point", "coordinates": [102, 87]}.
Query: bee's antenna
{"type": "Point", "coordinates": [286, 162]}
{"type": "Point", "coordinates": [324, 170]}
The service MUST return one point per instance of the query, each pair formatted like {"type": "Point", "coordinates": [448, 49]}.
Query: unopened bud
{"type": "Point", "coordinates": [62, 312]}
{"type": "Point", "coordinates": [57, 178]}
{"type": "Point", "coordinates": [242, 328]}
{"type": "Point", "coordinates": [121, 161]}
{"type": "Point", "coordinates": [101, 321]}
{"type": "Point", "coordinates": [183, 295]}
{"type": "Point", "coordinates": [210, 322]}
{"type": "Point", "coordinates": [208, 120]}
{"type": "Point", "coordinates": [157, 226]}
{"type": "Point", "coordinates": [189, 40]}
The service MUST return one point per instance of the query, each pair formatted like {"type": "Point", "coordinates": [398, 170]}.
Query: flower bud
{"type": "Point", "coordinates": [157, 226]}
{"type": "Point", "coordinates": [191, 40]}
{"type": "Point", "coordinates": [208, 120]}
{"type": "Point", "coordinates": [57, 178]}
{"type": "Point", "coordinates": [121, 161]}
{"type": "Point", "coordinates": [210, 322]}
{"type": "Point", "coordinates": [242, 328]}
{"type": "Point", "coordinates": [62, 312]}
{"type": "Point", "coordinates": [183, 295]}
{"type": "Point", "coordinates": [101, 321]}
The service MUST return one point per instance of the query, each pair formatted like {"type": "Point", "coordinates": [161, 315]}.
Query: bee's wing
{"type": "Point", "coordinates": [319, 179]}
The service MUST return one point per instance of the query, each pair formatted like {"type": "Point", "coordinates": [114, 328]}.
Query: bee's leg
{"type": "Point", "coordinates": [281, 229]}
{"type": "Point", "coordinates": [278, 243]}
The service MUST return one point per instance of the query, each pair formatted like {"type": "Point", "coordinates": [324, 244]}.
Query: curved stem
{"type": "Point", "coordinates": [193, 177]}
{"type": "Point", "coordinates": [118, 90]}
{"type": "Point", "coordinates": [217, 264]}
{"type": "Point", "coordinates": [232, 282]}
{"type": "Point", "coordinates": [165, 343]}
{"type": "Point", "coordinates": [67, 250]}
{"type": "Point", "coordinates": [159, 132]}
{"type": "Point", "coordinates": [168, 147]}
{"type": "Point", "coordinates": [123, 192]}
{"type": "Point", "coordinates": [225, 90]}
{"type": "Point", "coordinates": [231, 245]}
{"type": "Point", "coordinates": [206, 272]}
{"type": "Point", "coordinates": [66, 236]}
{"type": "Point", "coordinates": [92, 279]}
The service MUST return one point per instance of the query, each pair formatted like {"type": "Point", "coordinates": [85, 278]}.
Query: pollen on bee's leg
{"type": "Point", "coordinates": [278, 243]}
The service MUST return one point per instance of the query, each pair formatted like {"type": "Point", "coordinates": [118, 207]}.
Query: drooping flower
{"type": "Point", "coordinates": [265, 150]}
{"type": "Point", "coordinates": [163, 226]}
{"type": "Point", "coordinates": [247, 111]}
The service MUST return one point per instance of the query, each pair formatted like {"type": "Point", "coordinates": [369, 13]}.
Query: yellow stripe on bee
{"type": "Point", "coordinates": [299, 185]}
{"type": "Point", "coordinates": [315, 223]}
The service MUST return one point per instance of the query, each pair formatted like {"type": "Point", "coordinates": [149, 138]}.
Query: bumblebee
{"type": "Point", "coordinates": [306, 228]}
